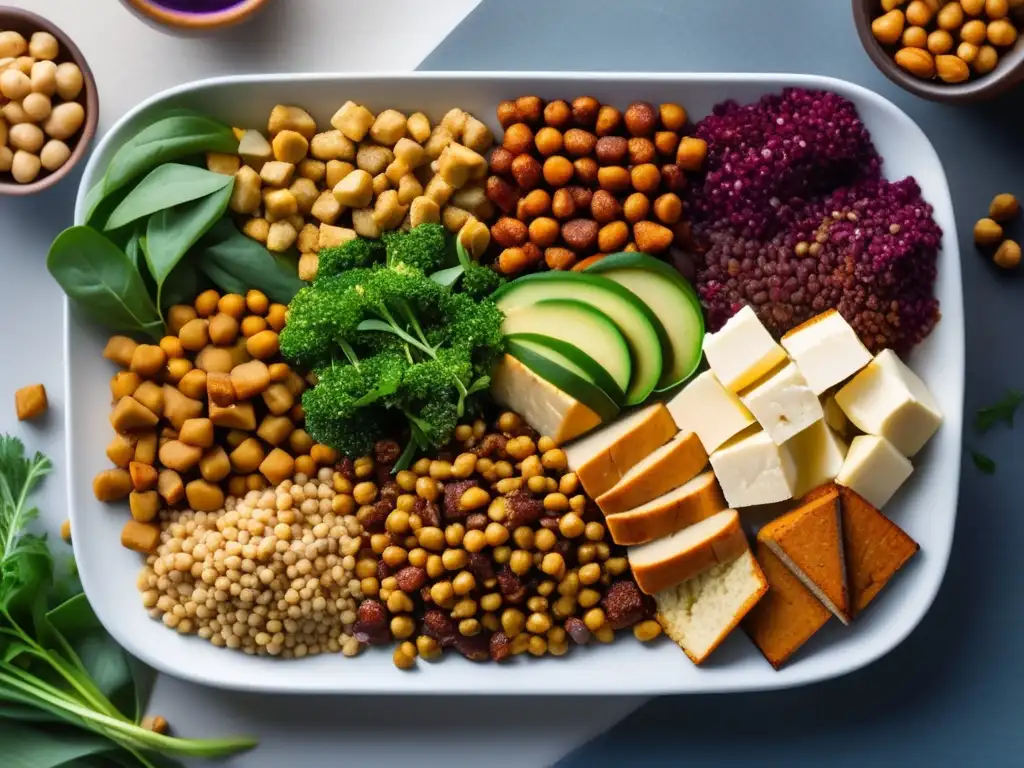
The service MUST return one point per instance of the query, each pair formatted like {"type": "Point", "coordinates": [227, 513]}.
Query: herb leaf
{"type": "Point", "coordinates": [1002, 410]}
{"type": "Point", "coordinates": [99, 278]}
{"type": "Point", "coordinates": [168, 139]}
{"type": "Point", "coordinates": [165, 187]}
{"type": "Point", "coordinates": [236, 263]}
{"type": "Point", "coordinates": [171, 232]}
{"type": "Point", "coordinates": [983, 462]}
{"type": "Point", "coordinates": [449, 276]}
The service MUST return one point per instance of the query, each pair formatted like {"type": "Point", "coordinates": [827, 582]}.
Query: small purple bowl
{"type": "Point", "coordinates": [195, 15]}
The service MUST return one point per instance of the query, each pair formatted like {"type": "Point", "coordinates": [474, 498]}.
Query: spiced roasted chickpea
{"type": "Point", "coordinates": [543, 231]}
{"type": "Point", "coordinates": [609, 120]}
{"type": "Point", "coordinates": [641, 118]}
{"type": "Point", "coordinates": [668, 208]}
{"type": "Point", "coordinates": [641, 150]}
{"type": "Point", "coordinates": [559, 259]}
{"type": "Point", "coordinates": [611, 150]}
{"type": "Point", "coordinates": [673, 116]}
{"type": "Point", "coordinates": [584, 111]}
{"type": "Point", "coordinates": [548, 141]}
{"type": "Point", "coordinates": [536, 203]}
{"type": "Point", "coordinates": [558, 171]}
{"type": "Point", "coordinates": [645, 178]}
{"type": "Point", "coordinates": [604, 207]}
{"type": "Point", "coordinates": [614, 178]}
{"type": "Point", "coordinates": [636, 207]}
{"type": "Point", "coordinates": [518, 138]}
{"type": "Point", "coordinates": [558, 114]}
{"type": "Point", "coordinates": [501, 160]}
{"type": "Point", "coordinates": [508, 113]}
{"type": "Point", "coordinates": [530, 109]}
{"type": "Point", "coordinates": [579, 142]}
{"type": "Point", "coordinates": [585, 170]}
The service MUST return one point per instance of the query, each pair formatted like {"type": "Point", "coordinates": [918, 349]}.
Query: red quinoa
{"type": "Point", "coordinates": [793, 218]}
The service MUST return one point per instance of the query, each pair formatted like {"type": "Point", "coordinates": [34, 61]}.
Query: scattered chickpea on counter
{"type": "Point", "coordinates": [209, 412]}
{"type": "Point", "coordinates": [988, 232]}
{"type": "Point", "coordinates": [30, 402]}
{"type": "Point", "coordinates": [576, 181]}
{"type": "Point", "coordinates": [946, 39]}
{"type": "Point", "coordinates": [365, 176]}
{"type": "Point", "coordinates": [494, 551]}
{"type": "Point", "coordinates": [41, 112]}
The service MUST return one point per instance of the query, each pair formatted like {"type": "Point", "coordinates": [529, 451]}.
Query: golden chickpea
{"type": "Point", "coordinates": [915, 37]}
{"type": "Point", "coordinates": [431, 538]}
{"type": "Point", "coordinates": [531, 467]}
{"type": "Point", "coordinates": [523, 537]}
{"type": "Point", "coordinates": [428, 648]}
{"type": "Point", "coordinates": [588, 597]}
{"type": "Point", "coordinates": [537, 646]}
{"type": "Point", "coordinates": [545, 540]}
{"type": "Point", "coordinates": [502, 555]}
{"type": "Point", "coordinates": [464, 609]}
{"type": "Point", "coordinates": [402, 627]}
{"type": "Point", "coordinates": [454, 533]}
{"type": "Point", "coordinates": [616, 565]}
{"type": "Point", "coordinates": [986, 60]}
{"type": "Point", "coordinates": [369, 586]}
{"type": "Point", "coordinates": [474, 498]}
{"type": "Point", "coordinates": [418, 557]}
{"type": "Point", "coordinates": [590, 573]}
{"type": "Point", "coordinates": [553, 564]}
{"type": "Point", "coordinates": [602, 550]}
{"type": "Point", "coordinates": [263, 345]}
{"type": "Point", "coordinates": [464, 465]}
{"type": "Point", "coordinates": [397, 521]}
{"type": "Point", "coordinates": [379, 542]}
{"type": "Point", "coordinates": [586, 553]}
{"type": "Point", "coordinates": [495, 534]}
{"type": "Point", "coordinates": [464, 583]}
{"type": "Point", "coordinates": [538, 623]}
{"type": "Point", "coordinates": [594, 531]}
{"type": "Point", "coordinates": [206, 303]}
{"type": "Point", "coordinates": [474, 541]}
{"type": "Point", "coordinates": [440, 470]}
{"type": "Point", "coordinates": [536, 484]}
{"type": "Point", "coordinates": [251, 325]}
{"type": "Point", "coordinates": [406, 480]}
{"type": "Point", "coordinates": [491, 602]}
{"type": "Point", "coordinates": [394, 556]}
{"type": "Point", "coordinates": [509, 422]}
{"type": "Point", "coordinates": [454, 559]}
{"type": "Point", "coordinates": [571, 525]}
{"type": "Point", "coordinates": [974, 32]}
{"type": "Point", "coordinates": [556, 502]}
{"type": "Point", "coordinates": [973, 7]}
{"type": "Point", "coordinates": [364, 493]}
{"type": "Point", "coordinates": [940, 41]}
{"type": "Point", "coordinates": [594, 619]}
{"type": "Point", "coordinates": [520, 448]}
{"type": "Point", "coordinates": [1007, 255]}
{"type": "Point", "coordinates": [469, 627]}
{"type": "Point", "coordinates": [435, 566]}
{"type": "Point", "coordinates": [442, 593]}
{"type": "Point", "coordinates": [402, 658]}
{"type": "Point", "coordinates": [994, 9]}
{"type": "Point", "coordinates": [463, 432]}
{"type": "Point", "coordinates": [520, 562]}
{"type": "Point", "coordinates": [1002, 33]}
{"type": "Point", "coordinates": [427, 488]}
{"type": "Point", "coordinates": [257, 302]}
{"type": "Point", "coordinates": [950, 16]}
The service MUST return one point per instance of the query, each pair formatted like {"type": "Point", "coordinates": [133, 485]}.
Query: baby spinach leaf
{"type": "Point", "coordinates": [171, 232]}
{"type": "Point", "coordinates": [133, 248]}
{"type": "Point", "coordinates": [236, 263]}
{"type": "Point", "coordinates": [165, 140]}
{"type": "Point", "coordinates": [99, 278]}
{"type": "Point", "coordinates": [181, 286]}
{"type": "Point", "coordinates": [165, 187]}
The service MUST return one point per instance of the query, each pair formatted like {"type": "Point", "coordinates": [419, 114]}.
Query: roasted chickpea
{"type": "Point", "coordinates": [558, 171]}
{"type": "Point", "coordinates": [548, 141]}
{"type": "Point", "coordinates": [584, 110]}
{"type": "Point", "coordinates": [609, 120]}
{"type": "Point", "coordinates": [518, 138]}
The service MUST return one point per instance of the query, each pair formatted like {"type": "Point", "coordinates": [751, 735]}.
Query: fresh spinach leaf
{"type": "Point", "coordinates": [1002, 410]}
{"type": "Point", "coordinates": [165, 187]}
{"type": "Point", "coordinates": [172, 232]}
{"type": "Point", "coordinates": [985, 463]}
{"type": "Point", "coordinates": [27, 747]}
{"type": "Point", "coordinates": [181, 286]}
{"type": "Point", "coordinates": [99, 278]}
{"type": "Point", "coordinates": [236, 263]}
{"type": "Point", "coordinates": [133, 248]}
{"type": "Point", "coordinates": [165, 140]}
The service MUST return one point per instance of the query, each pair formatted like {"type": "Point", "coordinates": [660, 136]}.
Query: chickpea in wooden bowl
{"type": "Point", "coordinates": [48, 103]}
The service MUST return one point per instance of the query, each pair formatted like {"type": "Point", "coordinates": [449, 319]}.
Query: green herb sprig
{"type": "Point", "coordinates": [69, 696]}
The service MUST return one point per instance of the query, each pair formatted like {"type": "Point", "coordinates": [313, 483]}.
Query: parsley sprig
{"type": "Point", "coordinates": [68, 694]}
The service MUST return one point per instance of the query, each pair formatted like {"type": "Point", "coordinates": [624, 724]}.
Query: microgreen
{"type": "Point", "coordinates": [1002, 410]}
{"type": "Point", "coordinates": [985, 463]}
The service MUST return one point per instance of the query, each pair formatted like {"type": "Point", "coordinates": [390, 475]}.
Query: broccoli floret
{"type": "Point", "coordinates": [435, 422]}
{"type": "Point", "coordinates": [353, 254]}
{"type": "Point", "coordinates": [479, 282]}
{"type": "Point", "coordinates": [473, 323]}
{"type": "Point", "coordinates": [333, 416]}
{"type": "Point", "coordinates": [322, 316]}
{"type": "Point", "coordinates": [422, 247]}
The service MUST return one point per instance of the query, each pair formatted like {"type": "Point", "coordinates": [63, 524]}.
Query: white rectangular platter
{"type": "Point", "coordinates": [925, 507]}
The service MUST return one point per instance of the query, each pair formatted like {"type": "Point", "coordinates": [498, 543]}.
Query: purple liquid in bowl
{"type": "Point", "coordinates": [198, 6]}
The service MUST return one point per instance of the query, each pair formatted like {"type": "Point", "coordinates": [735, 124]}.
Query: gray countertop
{"type": "Point", "coordinates": [952, 693]}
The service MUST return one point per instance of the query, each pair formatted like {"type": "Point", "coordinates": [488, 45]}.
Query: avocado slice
{"type": "Point", "coordinates": [580, 325]}
{"type": "Point", "coordinates": [639, 326]}
{"type": "Point", "coordinates": [565, 379]}
{"type": "Point", "coordinates": [577, 361]}
{"type": "Point", "coordinates": [670, 296]}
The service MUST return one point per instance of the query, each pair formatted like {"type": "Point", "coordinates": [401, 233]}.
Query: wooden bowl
{"type": "Point", "coordinates": [1008, 72]}
{"type": "Point", "coordinates": [194, 21]}
{"type": "Point", "coordinates": [26, 23]}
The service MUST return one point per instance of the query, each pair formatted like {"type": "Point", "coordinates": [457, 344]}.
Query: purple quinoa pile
{"type": "Point", "coordinates": [793, 217]}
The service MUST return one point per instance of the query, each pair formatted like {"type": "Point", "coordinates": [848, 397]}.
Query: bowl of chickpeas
{"type": "Point", "coordinates": [48, 103]}
{"type": "Point", "coordinates": [945, 50]}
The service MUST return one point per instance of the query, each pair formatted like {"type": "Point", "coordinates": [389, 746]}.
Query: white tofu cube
{"type": "Point", "coordinates": [711, 411]}
{"type": "Point", "coordinates": [783, 404]}
{"type": "Point", "coordinates": [826, 350]}
{"type": "Point", "coordinates": [889, 400]}
{"type": "Point", "coordinates": [742, 351]}
{"type": "Point", "coordinates": [753, 470]}
{"type": "Point", "coordinates": [819, 454]}
{"type": "Point", "coordinates": [874, 469]}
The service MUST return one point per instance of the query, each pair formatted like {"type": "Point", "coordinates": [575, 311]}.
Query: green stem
{"type": "Point", "coordinates": [134, 734]}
